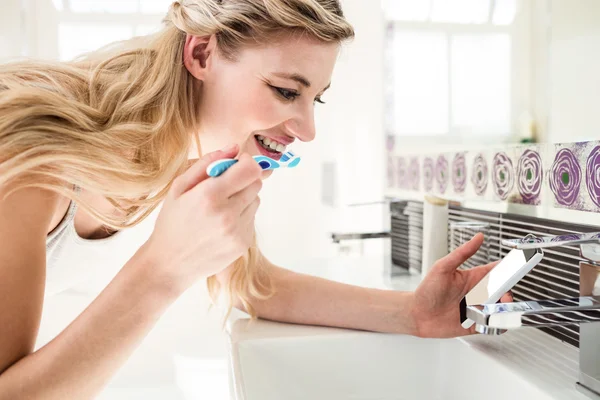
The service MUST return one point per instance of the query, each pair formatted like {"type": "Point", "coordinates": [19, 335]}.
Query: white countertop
{"type": "Point", "coordinates": [540, 361]}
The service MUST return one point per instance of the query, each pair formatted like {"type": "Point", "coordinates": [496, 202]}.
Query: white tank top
{"type": "Point", "coordinates": [72, 261]}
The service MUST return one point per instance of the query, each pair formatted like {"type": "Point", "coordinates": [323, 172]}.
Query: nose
{"type": "Point", "coordinates": [302, 126]}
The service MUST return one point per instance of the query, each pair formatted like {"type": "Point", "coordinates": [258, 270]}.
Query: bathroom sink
{"type": "Point", "coordinates": [273, 361]}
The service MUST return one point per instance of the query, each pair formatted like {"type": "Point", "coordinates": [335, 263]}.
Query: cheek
{"type": "Point", "coordinates": [264, 112]}
{"type": "Point", "coordinates": [238, 105]}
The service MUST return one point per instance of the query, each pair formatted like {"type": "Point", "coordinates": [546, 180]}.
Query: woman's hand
{"type": "Point", "coordinates": [436, 309]}
{"type": "Point", "coordinates": [206, 223]}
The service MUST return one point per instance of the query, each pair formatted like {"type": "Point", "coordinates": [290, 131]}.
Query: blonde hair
{"type": "Point", "coordinates": [120, 122]}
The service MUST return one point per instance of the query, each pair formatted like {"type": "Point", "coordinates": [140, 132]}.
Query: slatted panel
{"type": "Point", "coordinates": [407, 234]}
{"type": "Point", "coordinates": [556, 277]}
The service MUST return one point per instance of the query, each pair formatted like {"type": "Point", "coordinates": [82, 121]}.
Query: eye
{"type": "Point", "coordinates": [319, 100]}
{"type": "Point", "coordinates": [287, 93]}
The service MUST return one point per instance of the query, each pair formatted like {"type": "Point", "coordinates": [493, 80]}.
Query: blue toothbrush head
{"type": "Point", "coordinates": [294, 162]}
{"type": "Point", "coordinates": [288, 155]}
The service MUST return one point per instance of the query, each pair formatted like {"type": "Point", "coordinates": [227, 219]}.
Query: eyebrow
{"type": "Point", "coordinates": [298, 78]}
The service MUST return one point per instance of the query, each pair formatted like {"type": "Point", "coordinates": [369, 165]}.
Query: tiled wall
{"type": "Point", "coordinates": [565, 175]}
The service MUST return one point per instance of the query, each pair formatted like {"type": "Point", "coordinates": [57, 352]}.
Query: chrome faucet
{"type": "Point", "coordinates": [494, 319]}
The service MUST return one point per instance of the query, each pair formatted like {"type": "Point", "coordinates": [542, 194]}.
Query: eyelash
{"type": "Point", "coordinates": [290, 95]}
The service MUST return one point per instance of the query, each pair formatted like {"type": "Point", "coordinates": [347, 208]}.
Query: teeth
{"type": "Point", "coordinates": [270, 144]}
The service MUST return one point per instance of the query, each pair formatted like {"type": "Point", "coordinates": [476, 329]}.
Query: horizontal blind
{"type": "Point", "coordinates": [407, 234]}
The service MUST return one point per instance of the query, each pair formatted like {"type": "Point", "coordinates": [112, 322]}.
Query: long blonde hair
{"type": "Point", "coordinates": [120, 122]}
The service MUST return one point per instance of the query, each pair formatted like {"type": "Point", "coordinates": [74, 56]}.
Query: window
{"type": "Point", "coordinates": [108, 6]}
{"type": "Point", "coordinates": [86, 25]}
{"type": "Point", "coordinates": [450, 67]}
{"type": "Point", "coordinates": [503, 12]}
{"type": "Point", "coordinates": [480, 79]}
{"type": "Point", "coordinates": [77, 39]}
{"type": "Point", "coordinates": [421, 83]}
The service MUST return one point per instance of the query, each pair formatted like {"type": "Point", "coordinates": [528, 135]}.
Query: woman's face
{"type": "Point", "coordinates": [265, 99]}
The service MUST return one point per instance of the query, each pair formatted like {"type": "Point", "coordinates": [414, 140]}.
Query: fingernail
{"type": "Point", "coordinates": [230, 148]}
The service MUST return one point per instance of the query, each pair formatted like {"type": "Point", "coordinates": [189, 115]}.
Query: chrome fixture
{"type": "Point", "coordinates": [494, 319]}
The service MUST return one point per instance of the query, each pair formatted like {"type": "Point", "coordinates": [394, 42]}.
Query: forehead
{"type": "Point", "coordinates": [293, 53]}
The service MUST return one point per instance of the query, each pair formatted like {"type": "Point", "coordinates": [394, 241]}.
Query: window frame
{"type": "Point", "coordinates": [450, 29]}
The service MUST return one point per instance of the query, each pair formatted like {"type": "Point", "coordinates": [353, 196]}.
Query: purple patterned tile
{"type": "Point", "coordinates": [561, 175]}
{"type": "Point", "coordinates": [428, 174]}
{"type": "Point", "coordinates": [592, 174]}
{"type": "Point", "coordinates": [442, 175]}
{"type": "Point", "coordinates": [413, 177]}
{"type": "Point", "coordinates": [459, 173]}
{"type": "Point", "coordinates": [529, 176]}
{"type": "Point", "coordinates": [479, 174]}
{"type": "Point", "coordinates": [565, 176]}
{"type": "Point", "coordinates": [401, 173]}
{"type": "Point", "coordinates": [503, 175]}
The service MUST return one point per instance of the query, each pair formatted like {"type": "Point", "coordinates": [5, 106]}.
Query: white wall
{"type": "Point", "coordinates": [28, 28]}
{"type": "Point", "coordinates": [11, 30]}
{"type": "Point", "coordinates": [539, 83]}
{"type": "Point", "coordinates": [574, 71]}
{"type": "Point", "coordinates": [41, 21]}
{"type": "Point", "coordinates": [565, 82]}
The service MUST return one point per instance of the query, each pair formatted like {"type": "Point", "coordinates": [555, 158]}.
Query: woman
{"type": "Point", "coordinates": [92, 147]}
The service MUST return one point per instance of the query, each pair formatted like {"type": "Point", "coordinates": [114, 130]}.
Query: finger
{"type": "Point", "coordinates": [507, 298]}
{"type": "Point", "coordinates": [245, 197]}
{"type": "Point", "coordinates": [455, 259]}
{"type": "Point", "coordinates": [238, 177]}
{"type": "Point", "coordinates": [197, 172]}
{"type": "Point", "coordinates": [475, 275]}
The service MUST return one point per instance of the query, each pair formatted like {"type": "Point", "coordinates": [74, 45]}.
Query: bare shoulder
{"type": "Point", "coordinates": [29, 210]}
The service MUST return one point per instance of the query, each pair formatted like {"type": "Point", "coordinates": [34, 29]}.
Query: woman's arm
{"type": "Point", "coordinates": [310, 300]}
{"type": "Point", "coordinates": [431, 311]}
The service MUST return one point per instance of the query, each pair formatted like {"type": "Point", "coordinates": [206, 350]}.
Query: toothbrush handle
{"type": "Point", "coordinates": [216, 168]}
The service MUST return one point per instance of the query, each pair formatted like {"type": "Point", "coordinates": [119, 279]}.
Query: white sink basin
{"type": "Point", "coordinates": [272, 361]}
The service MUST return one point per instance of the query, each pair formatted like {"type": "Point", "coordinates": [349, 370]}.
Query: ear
{"type": "Point", "coordinates": [198, 53]}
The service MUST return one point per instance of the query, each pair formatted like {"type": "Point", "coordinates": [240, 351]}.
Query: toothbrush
{"type": "Point", "coordinates": [288, 160]}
